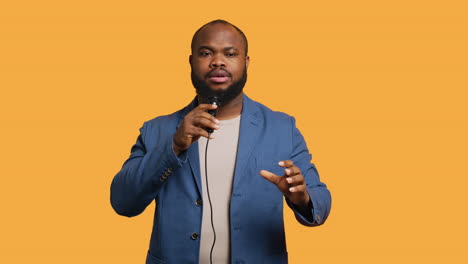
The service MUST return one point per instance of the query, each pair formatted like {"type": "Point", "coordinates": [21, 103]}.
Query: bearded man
{"type": "Point", "coordinates": [218, 180]}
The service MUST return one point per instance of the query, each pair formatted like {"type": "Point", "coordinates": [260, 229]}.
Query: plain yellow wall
{"type": "Point", "coordinates": [378, 88]}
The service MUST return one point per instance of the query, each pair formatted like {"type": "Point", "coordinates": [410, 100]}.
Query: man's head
{"type": "Point", "coordinates": [219, 60]}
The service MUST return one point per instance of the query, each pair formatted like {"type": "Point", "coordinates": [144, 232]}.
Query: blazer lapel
{"type": "Point", "coordinates": [250, 126]}
{"type": "Point", "coordinates": [194, 162]}
{"type": "Point", "coordinates": [192, 151]}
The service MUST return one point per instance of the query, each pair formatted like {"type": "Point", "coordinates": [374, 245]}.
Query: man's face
{"type": "Point", "coordinates": [218, 62]}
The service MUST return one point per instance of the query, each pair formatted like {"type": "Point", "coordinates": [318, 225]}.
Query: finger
{"type": "Point", "coordinates": [200, 132]}
{"type": "Point", "coordinates": [206, 115]}
{"type": "Point", "coordinates": [204, 123]}
{"type": "Point", "coordinates": [206, 107]}
{"type": "Point", "coordinates": [271, 177]}
{"type": "Point", "coordinates": [292, 171]}
{"type": "Point", "coordinates": [286, 163]}
{"type": "Point", "coordinates": [295, 180]}
{"type": "Point", "coordinates": [297, 188]}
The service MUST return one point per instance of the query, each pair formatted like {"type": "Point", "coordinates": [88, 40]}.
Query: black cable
{"type": "Point", "coordinates": [209, 198]}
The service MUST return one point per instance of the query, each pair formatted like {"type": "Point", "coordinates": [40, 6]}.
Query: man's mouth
{"type": "Point", "coordinates": [219, 76]}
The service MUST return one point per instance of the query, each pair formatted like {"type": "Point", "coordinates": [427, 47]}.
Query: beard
{"type": "Point", "coordinates": [225, 96]}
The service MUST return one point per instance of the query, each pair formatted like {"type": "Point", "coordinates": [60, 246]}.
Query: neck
{"type": "Point", "coordinates": [230, 110]}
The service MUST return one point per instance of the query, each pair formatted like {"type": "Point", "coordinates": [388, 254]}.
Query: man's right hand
{"type": "Point", "coordinates": [194, 126]}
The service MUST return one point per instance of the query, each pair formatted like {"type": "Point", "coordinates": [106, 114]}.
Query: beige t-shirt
{"type": "Point", "coordinates": [222, 152]}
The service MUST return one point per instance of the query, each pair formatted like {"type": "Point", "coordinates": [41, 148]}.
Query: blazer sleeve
{"type": "Point", "coordinates": [144, 173]}
{"type": "Point", "coordinates": [318, 192]}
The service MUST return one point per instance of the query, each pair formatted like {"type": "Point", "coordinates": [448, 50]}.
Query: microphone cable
{"type": "Point", "coordinates": [209, 198]}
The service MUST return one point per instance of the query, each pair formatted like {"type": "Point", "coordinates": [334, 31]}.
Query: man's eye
{"type": "Point", "coordinates": [231, 54]}
{"type": "Point", "coordinates": [205, 53]}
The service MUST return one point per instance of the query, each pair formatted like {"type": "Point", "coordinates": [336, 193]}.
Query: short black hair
{"type": "Point", "coordinates": [224, 22]}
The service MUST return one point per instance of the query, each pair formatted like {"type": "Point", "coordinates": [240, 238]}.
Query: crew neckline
{"type": "Point", "coordinates": [229, 121]}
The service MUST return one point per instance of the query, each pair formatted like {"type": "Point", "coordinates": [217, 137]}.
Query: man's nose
{"type": "Point", "coordinates": [217, 61]}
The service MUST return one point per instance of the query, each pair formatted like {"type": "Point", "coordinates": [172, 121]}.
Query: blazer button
{"type": "Point", "coordinates": [198, 202]}
{"type": "Point", "coordinates": [194, 236]}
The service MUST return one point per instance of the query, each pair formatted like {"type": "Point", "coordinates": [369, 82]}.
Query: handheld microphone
{"type": "Point", "coordinates": [212, 100]}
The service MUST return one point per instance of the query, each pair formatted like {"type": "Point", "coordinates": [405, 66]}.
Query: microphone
{"type": "Point", "coordinates": [211, 100]}
{"type": "Point", "coordinates": [215, 101]}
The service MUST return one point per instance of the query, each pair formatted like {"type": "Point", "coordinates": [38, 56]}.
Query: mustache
{"type": "Point", "coordinates": [217, 71]}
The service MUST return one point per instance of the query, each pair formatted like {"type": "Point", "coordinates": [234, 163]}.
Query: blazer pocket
{"type": "Point", "coordinates": [151, 259]}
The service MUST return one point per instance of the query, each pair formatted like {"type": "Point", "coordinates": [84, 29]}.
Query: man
{"type": "Point", "coordinates": [219, 196]}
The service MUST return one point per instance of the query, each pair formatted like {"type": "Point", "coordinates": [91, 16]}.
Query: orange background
{"type": "Point", "coordinates": [379, 89]}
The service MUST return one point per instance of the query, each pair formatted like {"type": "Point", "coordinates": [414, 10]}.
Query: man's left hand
{"type": "Point", "coordinates": [291, 184]}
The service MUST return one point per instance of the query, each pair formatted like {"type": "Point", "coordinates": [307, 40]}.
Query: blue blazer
{"type": "Point", "coordinates": [154, 172]}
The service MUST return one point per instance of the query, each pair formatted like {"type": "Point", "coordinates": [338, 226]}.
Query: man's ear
{"type": "Point", "coordinates": [247, 61]}
{"type": "Point", "coordinates": [190, 59]}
